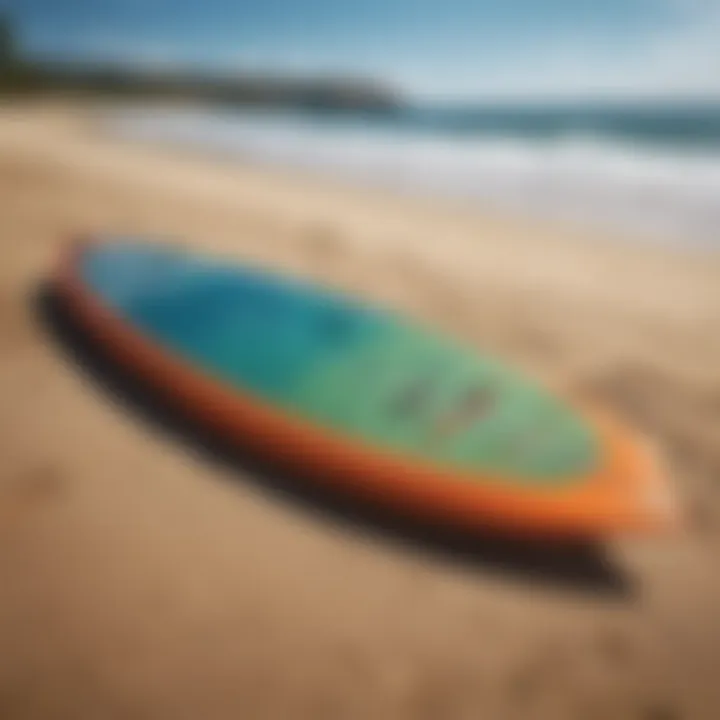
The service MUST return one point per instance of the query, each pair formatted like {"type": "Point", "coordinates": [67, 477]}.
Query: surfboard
{"type": "Point", "coordinates": [358, 398]}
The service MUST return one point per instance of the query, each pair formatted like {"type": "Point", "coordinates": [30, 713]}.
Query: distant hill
{"type": "Point", "coordinates": [19, 74]}
{"type": "Point", "coordinates": [341, 93]}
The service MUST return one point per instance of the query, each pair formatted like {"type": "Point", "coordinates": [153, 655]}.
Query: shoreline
{"type": "Point", "coordinates": [140, 579]}
{"type": "Point", "coordinates": [653, 194]}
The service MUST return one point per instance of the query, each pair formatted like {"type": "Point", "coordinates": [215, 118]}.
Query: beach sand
{"type": "Point", "coordinates": [140, 580]}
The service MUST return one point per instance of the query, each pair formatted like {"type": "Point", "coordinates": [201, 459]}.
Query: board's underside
{"type": "Point", "coordinates": [356, 371]}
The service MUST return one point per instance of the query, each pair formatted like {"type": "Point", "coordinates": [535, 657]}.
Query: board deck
{"type": "Point", "coordinates": [380, 404]}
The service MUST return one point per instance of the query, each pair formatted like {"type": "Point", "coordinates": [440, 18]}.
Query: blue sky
{"type": "Point", "coordinates": [433, 48]}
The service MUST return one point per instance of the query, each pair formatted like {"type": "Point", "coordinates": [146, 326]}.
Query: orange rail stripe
{"type": "Point", "coordinates": [617, 497]}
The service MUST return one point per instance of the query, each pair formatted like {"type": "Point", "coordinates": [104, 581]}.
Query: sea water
{"type": "Point", "coordinates": [648, 171]}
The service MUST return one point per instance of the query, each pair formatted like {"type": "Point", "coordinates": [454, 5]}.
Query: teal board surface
{"type": "Point", "coordinates": [359, 371]}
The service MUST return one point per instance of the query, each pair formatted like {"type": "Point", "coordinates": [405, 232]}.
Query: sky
{"type": "Point", "coordinates": [440, 49]}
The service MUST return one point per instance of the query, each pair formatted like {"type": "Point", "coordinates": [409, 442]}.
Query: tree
{"type": "Point", "coordinates": [8, 45]}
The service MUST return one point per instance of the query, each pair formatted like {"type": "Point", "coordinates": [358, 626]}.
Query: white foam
{"type": "Point", "coordinates": [653, 191]}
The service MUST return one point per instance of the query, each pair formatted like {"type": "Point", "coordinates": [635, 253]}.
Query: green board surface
{"type": "Point", "coordinates": [338, 364]}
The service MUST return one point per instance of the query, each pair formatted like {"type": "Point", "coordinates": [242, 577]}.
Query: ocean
{"type": "Point", "coordinates": [650, 172]}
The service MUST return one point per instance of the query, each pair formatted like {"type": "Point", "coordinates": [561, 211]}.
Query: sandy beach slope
{"type": "Point", "coordinates": [139, 580]}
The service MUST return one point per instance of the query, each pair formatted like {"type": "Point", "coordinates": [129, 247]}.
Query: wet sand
{"type": "Point", "coordinates": [138, 578]}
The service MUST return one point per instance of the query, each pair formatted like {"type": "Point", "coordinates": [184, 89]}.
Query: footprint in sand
{"type": "Point", "coordinates": [29, 491]}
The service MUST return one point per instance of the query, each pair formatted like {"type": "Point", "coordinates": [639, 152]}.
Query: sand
{"type": "Point", "coordinates": [140, 580]}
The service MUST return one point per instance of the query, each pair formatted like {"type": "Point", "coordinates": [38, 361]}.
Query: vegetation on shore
{"type": "Point", "coordinates": [20, 75]}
